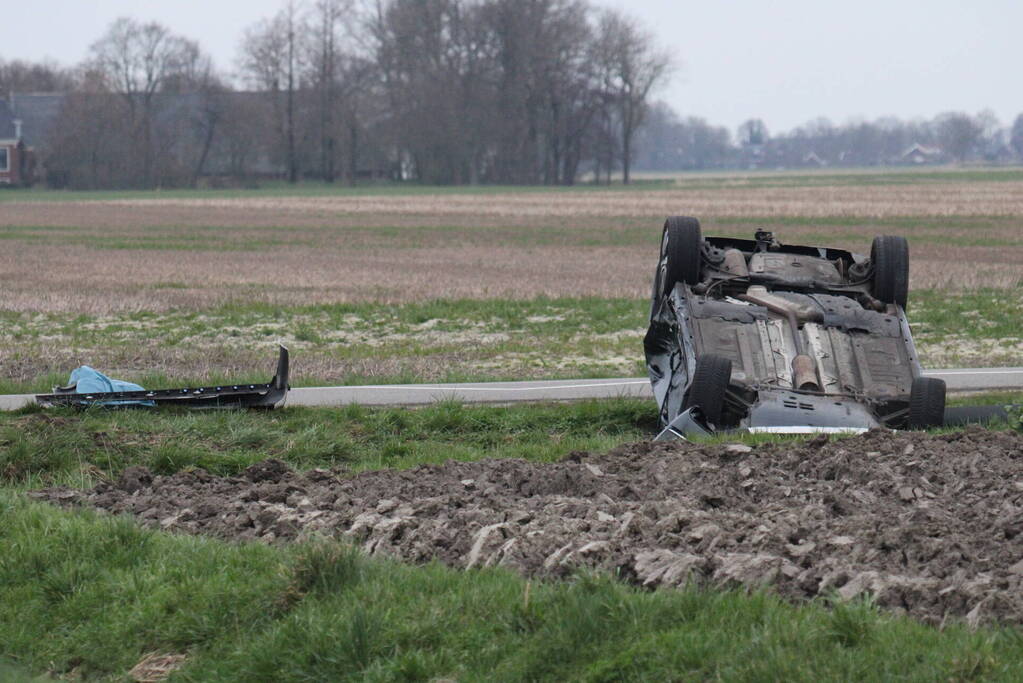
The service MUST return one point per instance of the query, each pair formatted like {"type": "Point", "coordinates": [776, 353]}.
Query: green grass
{"type": "Point", "coordinates": [850, 177]}
{"type": "Point", "coordinates": [608, 231]}
{"type": "Point", "coordinates": [974, 329]}
{"type": "Point", "coordinates": [432, 341]}
{"type": "Point", "coordinates": [318, 189]}
{"type": "Point", "coordinates": [77, 447]}
{"type": "Point", "coordinates": [996, 398]}
{"type": "Point", "coordinates": [87, 596]}
{"type": "Point", "coordinates": [73, 447]}
{"type": "Point", "coordinates": [649, 181]}
{"type": "Point", "coordinates": [982, 313]}
{"type": "Point", "coordinates": [446, 340]}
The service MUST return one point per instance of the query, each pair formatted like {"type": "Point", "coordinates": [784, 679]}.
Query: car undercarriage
{"type": "Point", "coordinates": [767, 337]}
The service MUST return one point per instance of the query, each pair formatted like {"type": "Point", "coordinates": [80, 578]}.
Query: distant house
{"type": "Point", "coordinates": [920, 154]}
{"type": "Point", "coordinates": [14, 161]}
{"type": "Point", "coordinates": [813, 159]}
{"type": "Point", "coordinates": [37, 112]}
{"type": "Point", "coordinates": [25, 122]}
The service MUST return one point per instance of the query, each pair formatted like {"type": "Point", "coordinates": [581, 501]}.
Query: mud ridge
{"type": "Point", "coordinates": [931, 525]}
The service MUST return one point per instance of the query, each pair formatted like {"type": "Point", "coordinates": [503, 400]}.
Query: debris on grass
{"type": "Point", "coordinates": [155, 667]}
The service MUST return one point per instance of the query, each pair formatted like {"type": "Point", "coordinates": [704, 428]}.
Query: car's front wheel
{"type": "Point", "coordinates": [926, 403]}
{"type": "Point", "coordinates": [710, 382]}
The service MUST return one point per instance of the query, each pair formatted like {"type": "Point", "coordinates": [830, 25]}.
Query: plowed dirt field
{"type": "Point", "coordinates": [928, 524]}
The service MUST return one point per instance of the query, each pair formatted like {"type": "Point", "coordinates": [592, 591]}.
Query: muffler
{"type": "Point", "coordinates": [804, 373]}
{"type": "Point", "coordinates": [804, 370]}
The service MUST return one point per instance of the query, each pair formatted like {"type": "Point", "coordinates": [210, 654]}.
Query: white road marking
{"type": "Point", "coordinates": [959, 379]}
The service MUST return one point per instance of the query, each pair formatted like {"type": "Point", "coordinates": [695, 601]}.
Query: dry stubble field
{"type": "Point", "coordinates": [194, 285]}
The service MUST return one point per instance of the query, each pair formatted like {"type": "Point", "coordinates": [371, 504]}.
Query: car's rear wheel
{"type": "Point", "coordinates": [710, 382]}
{"type": "Point", "coordinates": [889, 255]}
{"type": "Point", "coordinates": [682, 250]}
{"type": "Point", "coordinates": [926, 403]}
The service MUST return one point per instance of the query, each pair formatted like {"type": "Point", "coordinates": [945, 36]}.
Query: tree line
{"type": "Point", "coordinates": [669, 142]}
{"type": "Point", "coordinates": [435, 91]}
{"type": "Point", "coordinates": [439, 91]}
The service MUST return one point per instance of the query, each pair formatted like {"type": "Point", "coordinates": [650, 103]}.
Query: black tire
{"type": "Point", "coordinates": [682, 248]}
{"type": "Point", "coordinates": [926, 403]}
{"type": "Point", "coordinates": [710, 382]}
{"type": "Point", "coordinates": [890, 257]}
{"type": "Point", "coordinates": [958, 416]}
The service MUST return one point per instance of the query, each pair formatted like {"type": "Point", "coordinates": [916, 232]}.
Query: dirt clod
{"type": "Point", "coordinates": [929, 525]}
{"type": "Point", "coordinates": [134, 479]}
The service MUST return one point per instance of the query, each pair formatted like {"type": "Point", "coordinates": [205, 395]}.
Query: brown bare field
{"type": "Point", "coordinates": [125, 255]}
{"type": "Point", "coordinates": [80, 279]}
{"type": "Point", "coordinates": [117, 261]}
{"type": "Point", "coordinates": [866, 201]}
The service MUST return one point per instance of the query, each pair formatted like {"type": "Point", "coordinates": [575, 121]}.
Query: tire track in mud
{"type": "Point", "coordinates": [928, 524]}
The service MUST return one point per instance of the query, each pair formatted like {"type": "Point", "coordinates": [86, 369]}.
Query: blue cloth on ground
{"type": "Point", "coordinates": [90, 381]}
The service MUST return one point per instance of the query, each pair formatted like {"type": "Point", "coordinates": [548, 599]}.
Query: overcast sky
{"type": "Point", "coordinates": [786, 61]}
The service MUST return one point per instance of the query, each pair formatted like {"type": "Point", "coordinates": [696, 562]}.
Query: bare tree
{"type": "Point", "coordinates": [270, 61]}
{"type": "Point", "coordinates": [752, 132]}
{"type": "Point", "coordinates": [570, 84]}
{"type": "Point", "coordinates": [21, 76]}
{"type": "Point", "coordinates": [521, 91]}
{"type": "Point", "coordinates": [358, 76]}
{"type": "Point", "coordinates": [544, 88]}
{"type": "Point", "coordinates": [136, 60]}
{"type": "Point", "coordinates": [207, 119]}
{"type": "Point", "coordinates": [342, 80]}
{"type": "Point", "coordinates": [958, 134]}
{"type": "Point", "coordinates": [323, 45]}
{"type": "Point", "coordinates": [434, 61]}
{"type": "Point", "coordinates": [87, 149]}
{"type": "Point", "coordinates": [668, 143]}
{"type": "Point", "coordinates": [632, 69]}
{"type": "Point", "coordinates": [1016, 136]}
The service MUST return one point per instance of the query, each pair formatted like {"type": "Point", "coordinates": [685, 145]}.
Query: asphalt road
{"type": "Point", "coordinates": [958, 380]}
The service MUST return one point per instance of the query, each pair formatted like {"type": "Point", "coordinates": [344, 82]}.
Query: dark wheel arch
{"type": "Point", "coordinates": [889, 255]}
{"type": "Point", "coordinates": [710, 382]}
{"type": "Point", "coordinates": [926, 403]}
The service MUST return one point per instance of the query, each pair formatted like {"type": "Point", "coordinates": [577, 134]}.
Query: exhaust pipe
{"type": "Point", "coordinates": [804, 370]}
{"type": "Point", "coordinates": [804, 373]}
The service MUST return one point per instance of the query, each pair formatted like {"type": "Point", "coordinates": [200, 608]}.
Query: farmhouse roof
{"type": "Point", "coordinates": [37, 112]}
{"type": "Point", "coordinates": [7, 129]}
{"type": "Point", "coordinates": [922, 150]}
{"type": "Point", "coordinates": [813, 158]}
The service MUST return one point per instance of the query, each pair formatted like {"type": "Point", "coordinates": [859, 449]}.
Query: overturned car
{"type": "Point", "coordinates": [767, 337]}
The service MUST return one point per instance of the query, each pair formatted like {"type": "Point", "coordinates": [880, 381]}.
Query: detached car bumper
{"type": "Point", "coordinates": [269, 395]}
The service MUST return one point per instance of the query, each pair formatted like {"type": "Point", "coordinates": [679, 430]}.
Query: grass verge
{"type": "Point", "coordinates": [77, 448]}
{"type": "Point", "coordinates": [39, 448]}
{"type": "Point", "coordinates": [87, 596]}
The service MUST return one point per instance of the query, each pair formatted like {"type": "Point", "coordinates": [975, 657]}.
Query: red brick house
{"type": "Point", "coordinates": [16, 160]}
